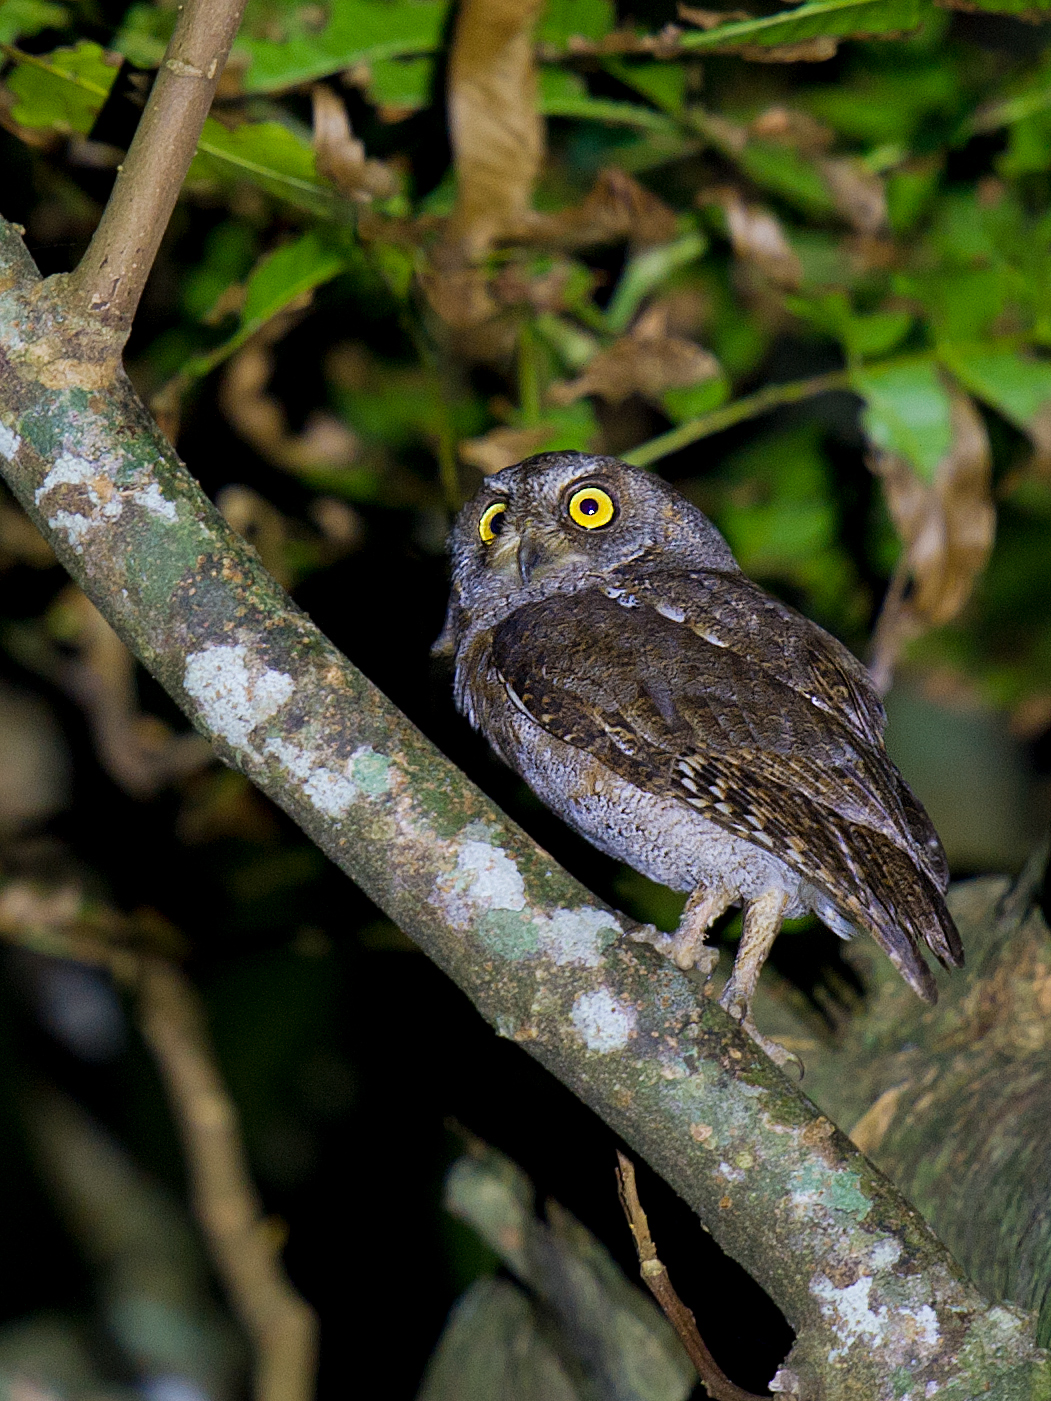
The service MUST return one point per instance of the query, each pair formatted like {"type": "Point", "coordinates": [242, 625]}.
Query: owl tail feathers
{"type": "Point", "coordinates": [904, 910]}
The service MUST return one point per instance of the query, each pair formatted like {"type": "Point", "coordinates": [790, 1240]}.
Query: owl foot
{"type": "Point", "coordinates": [762, 924]}
{"type": "Point", "coordinates": [687, 948]}
{"type": "Point", "coordinates": [777, 1053]}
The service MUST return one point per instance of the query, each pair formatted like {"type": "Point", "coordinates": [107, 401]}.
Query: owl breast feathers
{"type": "Point", "coordinates": [683, 720]}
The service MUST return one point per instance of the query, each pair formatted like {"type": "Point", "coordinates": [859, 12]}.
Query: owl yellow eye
{"type": "Point", "coordinates": [492, 522]}
{"type": "Point", "coordinates": [591, 507]}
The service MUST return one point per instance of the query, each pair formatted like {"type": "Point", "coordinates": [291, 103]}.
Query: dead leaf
{"type": "Point", "coordinates": [1039, 430]}
{"type": "Point", "coordinates": [758, 239]}
{"type": "Point", "coordinates": [711, 19]}
{"type": "Point", "coordinates": [947, 529]}
{"type": "Point", "coordinates": [617, 207]}
{"type": "Point", "coordinates": [340, 157]}
{"type": "Point", "coordinates": [646, 362]}
{"type": "Point", "coordinates": [798, 130]}
{"type": "Point", "coordinates": [503, 447]}
{"type": "Point", "coordinates": [806, 51]}
{"type": "Point", "coordinates": [859, 195]}
{"type": "Point", "coordinates": [495, 128]}
{"type": "Point", "coordinates": [324, 441]}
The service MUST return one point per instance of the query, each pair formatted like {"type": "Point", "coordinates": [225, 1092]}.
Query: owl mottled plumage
{"type": "Point", "coordinates": [685, 721]}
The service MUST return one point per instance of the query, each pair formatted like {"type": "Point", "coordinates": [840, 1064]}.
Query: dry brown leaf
{"type": "Point", "coordinates": [616, 207]}
{"type": "Point", "coordinates": [1039, 430]}
{"type": "Point", "coordinates": [503, 447]}
{"type": "Point", "coordinates": [711, 19]}
{"type": "Point", "coordinates": [758, 239]}
{"type": "Point", "coordinates": [260, 419]}
{"type": "Point", "coordinates": [138, 751]}
{"type": "Point", "coordinates": [787, 127]}
{"type": "Point", "coordinates": [859, 195]}
{"type": "Point", "coordinates": [806, 51]}
{"type": "Point", "coordinates": [494, 124]}
{"type": "Point", "coordinates": [340, 157]}
{"type": "Point", "coordinates": [646, 362]}
{"type": "Point", "coordinates": [947, 530]}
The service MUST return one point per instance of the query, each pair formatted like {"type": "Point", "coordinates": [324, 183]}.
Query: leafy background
{"type": "Point", "coordinates": [805, 275]}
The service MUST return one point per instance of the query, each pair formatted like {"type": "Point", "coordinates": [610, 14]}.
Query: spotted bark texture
{"type": "Point", "coordinates": [880, 1309]}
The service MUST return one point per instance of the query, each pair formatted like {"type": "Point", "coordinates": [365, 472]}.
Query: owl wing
{"type": "Point", "coordinates": [730, 611]}
{"type": "Point", "coordinates": [685, 716]}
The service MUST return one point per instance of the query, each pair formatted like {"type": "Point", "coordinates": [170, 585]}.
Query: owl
{"type": "Point", "coordinates": [684, 721]}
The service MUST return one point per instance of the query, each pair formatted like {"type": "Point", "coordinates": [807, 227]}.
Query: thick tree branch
{"type": "Point", "coordinates": [879, 1307]}
{"type": "Point", "coordinates": [95, 305]}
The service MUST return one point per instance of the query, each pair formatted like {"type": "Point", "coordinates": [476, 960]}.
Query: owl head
{"type": "Point", "coordinates": [560, 522]}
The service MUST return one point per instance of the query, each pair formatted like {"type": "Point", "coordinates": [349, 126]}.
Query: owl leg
{"type": "Point", "coordinates": [687, 947]}
{"type": "Point", "coordinates": [762, 924]}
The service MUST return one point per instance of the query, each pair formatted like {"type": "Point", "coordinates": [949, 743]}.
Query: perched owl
{"type": "Point", "coordinates": [684, 721]}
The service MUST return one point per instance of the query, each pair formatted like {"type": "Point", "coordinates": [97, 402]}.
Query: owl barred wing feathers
{"type": "Point", "coordinates": [611, 650]}
{"type": "Point", "coordinates": [731, 611]}
{"type": "Point", "coordinates": [689, 716]}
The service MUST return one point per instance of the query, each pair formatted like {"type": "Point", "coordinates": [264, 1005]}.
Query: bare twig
{"type": "Point", "coordinates": [109, 280]}
{"type": "Point", "coordinates": [655, 1277]}
{"type": "Point", "coordinates": [244, 1246]}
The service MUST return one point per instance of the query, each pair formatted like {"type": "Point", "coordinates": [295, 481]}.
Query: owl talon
{"type": "Point", "coordinates": [777, 1053]}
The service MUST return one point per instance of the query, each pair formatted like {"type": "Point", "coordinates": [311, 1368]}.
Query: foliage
{"type": "Point", "coordinates": [696, 219]}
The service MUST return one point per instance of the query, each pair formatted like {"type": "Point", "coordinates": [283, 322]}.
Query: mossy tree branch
{"type": "Point", "coordinates": [879, 1307]}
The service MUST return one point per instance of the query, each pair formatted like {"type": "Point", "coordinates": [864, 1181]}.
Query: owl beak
{"type": "Point", "coordinates": [531, 553]}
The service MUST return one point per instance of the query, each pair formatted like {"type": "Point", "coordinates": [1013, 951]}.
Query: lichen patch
{"type": "Point", "coordinates": [154, 500]}
{"type": "Point", "coordinates": [903, 1330]}
{"type": "Point", "coordinates": [10, 442]}
{"type": "Point", "coordinates": [577, 936]}
{"type": "Point", "coordinates": [603, 1023]}
{"type": "Point", "coordinates": [94, 490]}
{"type": "Point", "coordinates": [232, 694]}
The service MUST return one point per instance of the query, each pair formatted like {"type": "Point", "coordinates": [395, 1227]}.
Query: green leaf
{"type": "Point", "coordinates": [270, 156]}
{"type": "Point", "coordinates": [907, 411]}
{"type": "Point", "coordinates": [570, 19]}
{"type": "Point", "coordinates": [663, 83]}
{"type": "Point", "coordinates": [401, 82]}
{"type": "Point", "coordinates": [695, 400]}
{"type": "Point", "coordinates": [357, 31]}
{"type": "Point", "coordinates": [276, 281]}
{"type": "Point", "coordinates": [144, 33]}
{"type": "Point", "coordinates": [284, 275]}
{"type": "Point", "coordinates": [565, 94]}
{"type": "Point", "coordinates": [1018, 385]}
{"type": "Point", "coordinates": [1021, 9]}
{"type": "Point", "coordinates": [63, 90]}
{"type": "Point", "coordinates": [20, 19]}
{"type": "Point", "coordinates": [646, 271]}
{"type": "Point", "coordinates": [816, 19]}
{"type": "Point", "coordinates": [786, 173]}
{"type": "Point", "coordinates": [862, 336]}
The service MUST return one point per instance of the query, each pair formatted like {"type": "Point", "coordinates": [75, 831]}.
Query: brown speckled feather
{"type": "Point", "coordinates": [701, 687]}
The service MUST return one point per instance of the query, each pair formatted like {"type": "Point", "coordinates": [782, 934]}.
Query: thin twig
{"type": "Point", "coordinates": [113, 272]}
{"type": "Point", "coordinates": [895, 626]}
{"type": "Point", "coordinates": [772, 397]}
{"type": "Point", "coordinates": [655, 1276]}
{"type": "Point", "coordinates": [243, 1243]}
